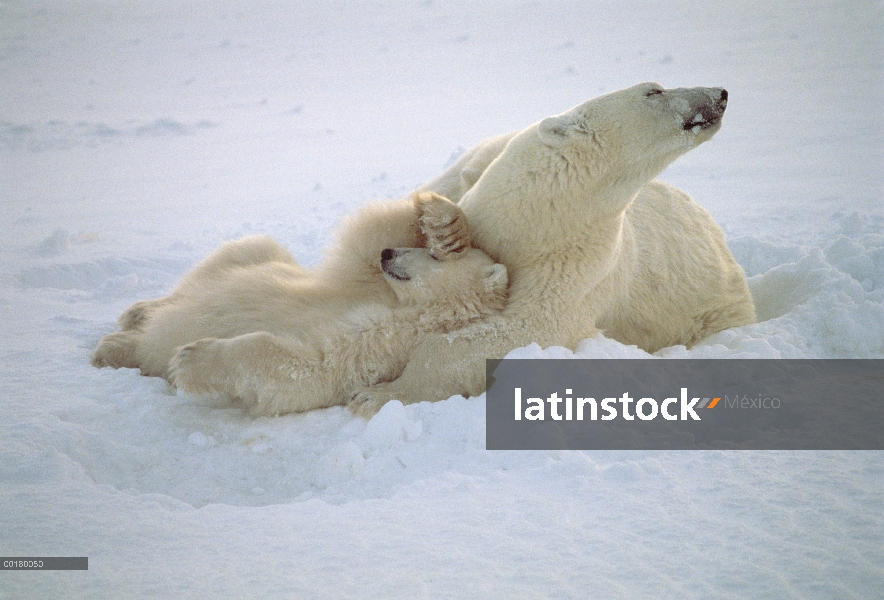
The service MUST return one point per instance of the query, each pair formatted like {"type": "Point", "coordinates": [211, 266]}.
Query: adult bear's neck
{"type": "Point", "coordinates": [520, 231]}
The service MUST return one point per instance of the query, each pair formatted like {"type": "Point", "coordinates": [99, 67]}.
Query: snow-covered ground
{"type": "Point", "coordinates": [137, 136]}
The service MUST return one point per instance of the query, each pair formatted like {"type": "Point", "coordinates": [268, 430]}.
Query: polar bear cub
{"type": "Point", "coordinates": [275, 374]}
{"type": "Point", "coordinates": [249, 323]}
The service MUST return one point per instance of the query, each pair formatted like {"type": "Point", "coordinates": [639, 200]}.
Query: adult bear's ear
{"type": "Point", "coordinates": [554, 131]}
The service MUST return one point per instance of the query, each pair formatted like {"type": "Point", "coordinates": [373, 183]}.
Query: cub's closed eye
{"type": "Point", "coordinates": [654, 92]}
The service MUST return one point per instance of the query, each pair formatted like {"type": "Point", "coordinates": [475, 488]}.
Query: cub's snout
{"type": "Point", "coordinates": [391, 267]}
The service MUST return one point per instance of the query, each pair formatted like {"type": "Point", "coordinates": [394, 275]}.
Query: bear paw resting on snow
{"type": "Point", "coordinates": [251, 324]}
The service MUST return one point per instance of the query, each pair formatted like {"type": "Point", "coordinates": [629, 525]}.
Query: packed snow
{"type": "Point", "coordinates": [135, 137]}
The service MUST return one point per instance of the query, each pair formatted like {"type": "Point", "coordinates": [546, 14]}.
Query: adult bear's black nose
{"type": "Point", "coordinates": [386, 254]}
{"type": "Point", "coordinates": [721, 103]}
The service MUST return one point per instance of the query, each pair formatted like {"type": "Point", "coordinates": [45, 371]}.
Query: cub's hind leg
{"type": "Point", "coordinates": [117, 350]}
{"type": "Point", "coordinates": [136, 316]}
{"type": "Point", "coordinates": [251, 250]}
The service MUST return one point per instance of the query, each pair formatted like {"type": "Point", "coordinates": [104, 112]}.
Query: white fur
{"type": "Point", "coordinates": [568, 205]}
{"type": "Point", "coordinates": [248, 323]}
{"type": "Point", "coordinates": [590, 241]}
{"type": "Point", "coordinates": [465, 172]}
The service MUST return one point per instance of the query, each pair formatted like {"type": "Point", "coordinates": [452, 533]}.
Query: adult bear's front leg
{"type": "Point", "coordinates": [443, 365]}
{"type": "Point", "coordinates": [444, 225]}
{"type": "Point", "coordinates": [449, 364]}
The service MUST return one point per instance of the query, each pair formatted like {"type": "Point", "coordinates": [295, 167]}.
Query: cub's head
{"type": "Point", "coordinates": [462, 288]}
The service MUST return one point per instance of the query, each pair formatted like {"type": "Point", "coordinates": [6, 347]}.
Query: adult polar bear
{"type": "Point", "coordinates": [589, 240]}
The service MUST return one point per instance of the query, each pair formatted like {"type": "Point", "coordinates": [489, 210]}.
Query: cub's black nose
{"type": "Point", "coordinates": [724, 94]}
{"type": "Point", "coordinates": [386, 254]}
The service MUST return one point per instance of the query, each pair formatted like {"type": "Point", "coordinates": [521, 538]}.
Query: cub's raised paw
{"type": "Point", "coordinates": [443, 223]}
{"type": "Point", "coordinates": [198, 368]}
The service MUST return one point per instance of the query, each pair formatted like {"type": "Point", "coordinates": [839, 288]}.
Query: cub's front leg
{"type": "Point", "coordinates": [271, 375]}
{"type": "Point", "coordinates": [207, 366]}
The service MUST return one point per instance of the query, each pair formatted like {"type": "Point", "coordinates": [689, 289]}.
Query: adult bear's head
{"type": "Point", "coordinates": [576, 173]}
{"type": "Point", "coordinates": [690, 115]}
{"type": "Point", "coordinates": [605, 148]}
{"type": "Point", "coordinates": [626, 138]}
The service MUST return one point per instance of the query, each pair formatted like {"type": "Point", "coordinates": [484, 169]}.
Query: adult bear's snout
{"type": "Point", "coordinates": [707, 108]}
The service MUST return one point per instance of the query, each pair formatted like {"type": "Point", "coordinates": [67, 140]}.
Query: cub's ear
{"type": "Point", "coordinates": [554, 131]}
{"type": "Point", "coordinates": [496, 277]}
